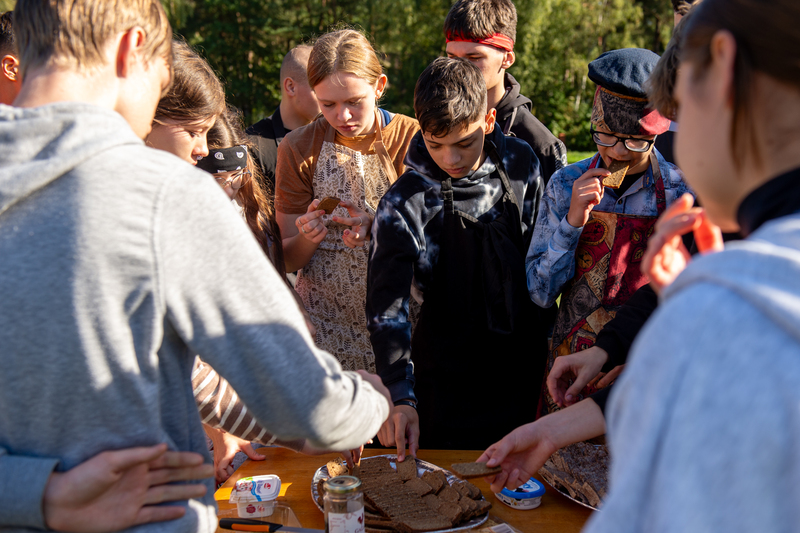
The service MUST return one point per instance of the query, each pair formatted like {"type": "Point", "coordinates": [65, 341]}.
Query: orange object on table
{"type": "Point", "coordinates": [557, 514]}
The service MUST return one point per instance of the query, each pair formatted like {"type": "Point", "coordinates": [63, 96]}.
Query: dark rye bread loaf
{"type": "Point", "coordinates": [581, 470]}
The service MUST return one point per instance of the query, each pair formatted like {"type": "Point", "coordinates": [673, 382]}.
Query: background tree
{"type": "Point", "coordinates": [245, 41]}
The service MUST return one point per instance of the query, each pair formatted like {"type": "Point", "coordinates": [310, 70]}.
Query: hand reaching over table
{"type": "Point", "coordinates": [524, 451]}
{"type": "Point", "coordinates": [226, 446]}
{"type": "Point", "coordinates": [401, 429]}
{"type": "Point", "coordinates": [572, 372]}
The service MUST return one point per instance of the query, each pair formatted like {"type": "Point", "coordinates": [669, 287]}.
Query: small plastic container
{"type": "Point", "coordinates": [528, 496]}
{"type": "Point", "coordinates": [255, 496]}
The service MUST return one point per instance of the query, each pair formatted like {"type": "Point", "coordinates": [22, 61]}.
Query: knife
{"type": "Point", "coordinates": [248, 524]}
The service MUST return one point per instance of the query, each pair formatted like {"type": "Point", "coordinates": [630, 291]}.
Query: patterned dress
{"type": "Point", "coordinates": [333, 283]}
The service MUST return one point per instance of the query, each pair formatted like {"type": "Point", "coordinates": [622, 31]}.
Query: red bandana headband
{"type": "Point", "coordinates": [503, 42]}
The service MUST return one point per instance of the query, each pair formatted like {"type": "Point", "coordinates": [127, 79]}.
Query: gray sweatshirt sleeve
{"type": "Point", "coordinates": [228, 304]}
{"type": "Point", "coordinates": [22, 483]}
{"type": "Point", "coordinates": [220, 407]}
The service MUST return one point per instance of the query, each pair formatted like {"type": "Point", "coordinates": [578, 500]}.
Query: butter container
{"type": "Point", "coordinates": [527, 496]}
{"type": "Point", "coordinates": [255, 496]}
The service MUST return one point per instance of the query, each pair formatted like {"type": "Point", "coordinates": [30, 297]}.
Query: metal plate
{"type": "Point", "coordinates": [422, 467]}
{"type": "Point", "coordinates": [566, 494]}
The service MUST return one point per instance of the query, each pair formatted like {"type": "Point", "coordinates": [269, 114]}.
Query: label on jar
{"type": "Point", "coordinates": [346, 522]}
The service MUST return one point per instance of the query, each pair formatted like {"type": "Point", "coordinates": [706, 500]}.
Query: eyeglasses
{"type": "Point", "coordinates": [609, 139]}
{"type": "Point", "coordinates": [235, 179]}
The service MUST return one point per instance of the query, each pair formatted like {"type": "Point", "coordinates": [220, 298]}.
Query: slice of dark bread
{"type": "Point", "coordinates": [420, 524]}
{"type": "Point", "coordinates": [618, 171]}
{"type": "Point", "coordinates": [452, 511]}
{"type": "Point", "coordinates": [419, 487]}
{"type": "Point", "coordinates": [471, 470]}
{"type": "Point", "coordinates": [435, 481]}
{"type": "Point", "coordinates": [449, 494]}
{"type": "Point", "coordinates": [407, 469]}
{"type": "Point", "coordinates": [328, 204]}
{"type": "Point", "coordinates": [474, 492]}
{"type": "Point", "coordinates": [432, 501]}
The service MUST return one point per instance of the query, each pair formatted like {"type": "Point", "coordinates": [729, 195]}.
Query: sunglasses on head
{"type": "Point", "coordinates": [235, 179]}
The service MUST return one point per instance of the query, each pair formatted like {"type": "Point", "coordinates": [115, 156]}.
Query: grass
{"type": "Point", "coordinates": [575, 156]}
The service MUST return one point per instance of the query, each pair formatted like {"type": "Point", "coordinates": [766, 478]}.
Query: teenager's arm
{"type": "Point", "coordinates": [534, 189]}
{"type": "Point", "coordinates": [393, 250]}
{"type": "Point", "coordinates": [396, 245]}
{"type": "Point", "coordinates": [299, 248]}
{"type": "Point", "coordinates": [113, 490]}
{"type": "Point", "coordinates": [223, 297]}
{"type": "Point", "coordinates": [220, 407]}
{"type": "Point", "coordinates": [522, 452]}
{"type": "Point", "coordinates": [550, 262]}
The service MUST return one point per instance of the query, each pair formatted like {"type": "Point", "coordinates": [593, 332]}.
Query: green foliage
{"type": "Point", "coordinates": [556, 39]}
{"type": "Point", "coordinates": [7, 5]}
{"type": "Point", "coordinates": [245, 40]}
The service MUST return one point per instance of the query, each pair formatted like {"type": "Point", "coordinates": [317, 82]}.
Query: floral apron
{"type": "Point", "coordinates": [607, 273]}
{"type": "Point", "coordinates": [333, 285]}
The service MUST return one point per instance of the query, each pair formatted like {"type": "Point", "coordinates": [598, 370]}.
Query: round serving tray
{"type": "Point", "coordinates": [422, 467]}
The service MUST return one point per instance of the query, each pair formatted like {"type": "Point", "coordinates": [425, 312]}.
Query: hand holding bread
{"type": "Point", "coordinates": [587, 191]}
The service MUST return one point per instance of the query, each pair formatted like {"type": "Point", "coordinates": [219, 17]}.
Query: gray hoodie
{"type": "Point", "coordinates": [704, 424]}
{"type": "Point", "coordinates": [119, 263]}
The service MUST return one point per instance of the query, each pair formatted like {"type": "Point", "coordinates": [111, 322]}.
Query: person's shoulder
{"type": "Point", "coordinates": [517, 148]}
{"type": "Point", "coordinates": [402, 125]}
{"type": "Point", "coordinates": [262, 128]}
{"type": "Point", "coordinates": [304, 137]}
{"type": "Point", "coordinates": [409, 185]}
{"type": "Point", "coordinates": [670, 173]}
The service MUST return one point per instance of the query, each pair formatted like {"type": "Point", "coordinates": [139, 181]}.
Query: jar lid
{"type": "Point", "coordinates": [530, 489]}
{"type": "Point", "coordinates": [342, 484]}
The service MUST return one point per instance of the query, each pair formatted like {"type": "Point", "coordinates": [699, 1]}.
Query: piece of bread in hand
{"type": "Point", "coordinates": [328, 204]}
{"type": "Point", "coordinates": [618, 171]}
{"type": "Point", "coordinates": [470, 470]}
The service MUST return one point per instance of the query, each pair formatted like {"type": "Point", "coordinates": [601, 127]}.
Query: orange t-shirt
{"type": "Point", "coordinates": [298, 151]}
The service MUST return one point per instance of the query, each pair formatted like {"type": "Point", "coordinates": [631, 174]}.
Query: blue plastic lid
{"type": "Point", "coordinates": [530, 489]}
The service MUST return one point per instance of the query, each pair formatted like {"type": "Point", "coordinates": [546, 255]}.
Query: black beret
{"type": "Point", "coordinates": [624, 71]}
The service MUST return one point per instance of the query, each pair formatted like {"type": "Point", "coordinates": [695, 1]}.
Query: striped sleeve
{"type": "Point", "coordinates": [220, 407]}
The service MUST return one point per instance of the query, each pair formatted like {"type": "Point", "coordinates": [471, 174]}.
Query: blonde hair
{"type": "Point", "coordinates": [343, 51]}
{"type": "Point", "coordinates": [73, 33]}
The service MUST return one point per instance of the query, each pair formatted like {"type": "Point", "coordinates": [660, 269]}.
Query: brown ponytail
{"type": "Point", "coordinates": [258, 211]}
{"type": "Point", "coordinates": [767, 40]}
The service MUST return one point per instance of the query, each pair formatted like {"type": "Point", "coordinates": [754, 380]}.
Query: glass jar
{"type": "Point", "coordinates": [344, 505]}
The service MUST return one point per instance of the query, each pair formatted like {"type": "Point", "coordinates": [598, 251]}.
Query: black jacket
{"type": "Point", "coordinates": [551, 152]}
{"type": "Point", "coordinates": [267, 134]}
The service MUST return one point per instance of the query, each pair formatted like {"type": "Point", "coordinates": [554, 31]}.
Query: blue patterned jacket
{"type": "Point", "coordinates": [550, 263]}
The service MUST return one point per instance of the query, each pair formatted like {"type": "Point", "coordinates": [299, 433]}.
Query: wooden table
{"type": "Point", "coordinates": [557, 514]}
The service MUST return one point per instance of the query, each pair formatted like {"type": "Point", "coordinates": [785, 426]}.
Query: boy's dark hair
{"type": "Point", "coordinates": [7, 43]}
{"type": "Point", "coordinates": [450, 94]}
{"type": "Point", "coordinates": [681, 7]}
{"type": "Point", "coordinates": [478, 19]}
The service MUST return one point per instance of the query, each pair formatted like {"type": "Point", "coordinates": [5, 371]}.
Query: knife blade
{"type": "Point", "coordinates": [248, 524]}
